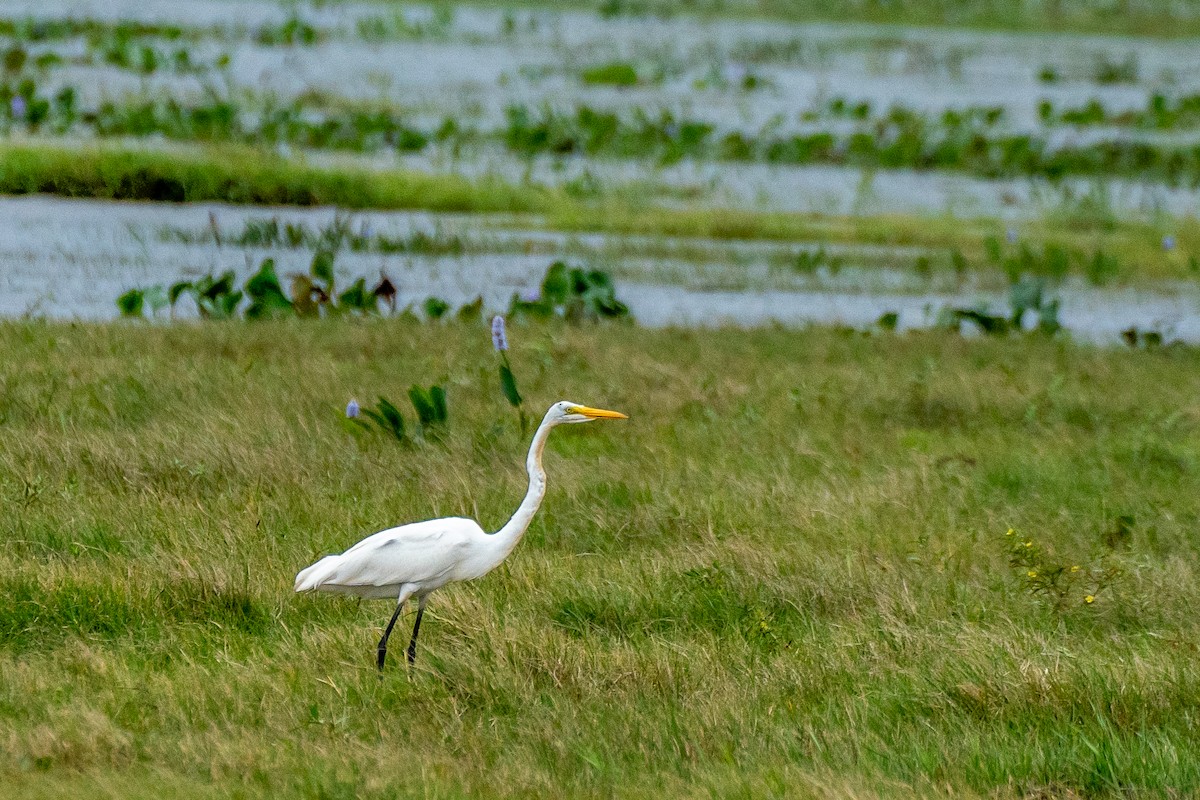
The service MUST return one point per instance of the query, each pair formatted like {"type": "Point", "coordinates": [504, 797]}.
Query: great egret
{"type": "Point", "coordinates": [415, 559]}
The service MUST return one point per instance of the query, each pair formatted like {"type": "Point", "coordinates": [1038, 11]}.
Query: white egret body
{"type": "Point", "coordinates": [416, 559]}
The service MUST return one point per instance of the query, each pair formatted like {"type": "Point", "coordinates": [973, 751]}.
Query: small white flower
{"type": "Point", "coordinates": [499, 339]}
{"type": "Point", "coordinates": [352, 409]}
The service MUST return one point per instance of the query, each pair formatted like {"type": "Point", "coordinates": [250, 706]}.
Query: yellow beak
{"type": "Point", "coordinates": [597, 413]}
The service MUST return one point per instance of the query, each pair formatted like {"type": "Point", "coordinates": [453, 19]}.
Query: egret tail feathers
{"type": "Point", "coordinates": [313, 576]}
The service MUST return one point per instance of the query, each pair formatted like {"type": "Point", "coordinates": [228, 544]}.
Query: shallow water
{"type": "Point", "coordinates": [541, 53]}
{"type": "Point", "coordinates": [925, 68]}
{"type": "Point", "coordinates": [70, 259]}
{"type": "Point", "coordinates": [480, 65]}
{"type": "Point", "coordinates": [830, 189]}
{"type": "Point", "coordinates": [1091, 315]}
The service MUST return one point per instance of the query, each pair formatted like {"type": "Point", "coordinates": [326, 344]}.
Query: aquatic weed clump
{"type": "Point", "coordinates": [572, 293]}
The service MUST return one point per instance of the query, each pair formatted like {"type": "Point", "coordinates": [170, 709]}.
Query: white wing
{"type": "Point", "coordinates": [423, 554]}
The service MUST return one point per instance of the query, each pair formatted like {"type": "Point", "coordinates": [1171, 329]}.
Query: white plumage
{"type": "Point", "coordinates": [416, 559]}
{"type": "Point", "coordinates": [426, 554]}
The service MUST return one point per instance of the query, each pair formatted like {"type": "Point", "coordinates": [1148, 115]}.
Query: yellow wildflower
{"type": "Point", "coordinates": [1029, 542]}
{"type": "Point", "coordinates": [1032, 573]}
{"type": "Point", "coordinates": [1091, 598]}
{"type": "Point", "coordinates": [1010, 532]}
{"type": "Point", "coordinates": [1075, 568]}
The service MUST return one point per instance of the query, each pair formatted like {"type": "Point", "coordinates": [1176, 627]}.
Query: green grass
{"type": "Point", "coordinates": [242, 175]}
{"type": "Point", "coordinates": [786, 575]}
{"type": "Point", "coordinates": [613, 73]}
{"type": "Point", "coordinates": [1143, 17]}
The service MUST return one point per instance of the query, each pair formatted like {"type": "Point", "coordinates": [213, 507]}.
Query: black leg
{"type": "Point", "coordinates": [387, 633]}
{"type": "Point", "coordinates": [412, 645]}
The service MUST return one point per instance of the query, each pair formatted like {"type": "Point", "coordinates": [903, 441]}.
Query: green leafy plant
{"type": "Point", "coordinates": [292, 32]}
{"type": "Point", "coordinates": [388, 418]}
{"type": "Point", "coordinates": [1029, 295]}
{"type": "Point", "coordinates": [1025, 296]}
{"type": "Point", "coordinates": [342, 233]}
{"type": "Point", "coordinates": [508, 381]}
{"type": "Point", "coordinates": [359, 298]}
{"type": "Point", "coordinates": [809, 261]}
{"type": "Point", "coordinates": [435, 307]}
{"type": "Point", "coordinates": [216, 297]}
{"type": "Point", "coordinates": [574, 294]}
{"type": "Point", "coordinates": [430, 406]}
{"type": "Point", "coordinates": [266, 295]}
{"type": "Point", "coordinates": [311, 294]}
{"type": "Point", "coordinates": [131, 303]}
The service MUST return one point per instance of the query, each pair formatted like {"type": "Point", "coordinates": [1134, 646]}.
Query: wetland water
{"type": "Point", "coordinates": [86, 253]}
{"type": "Point", "coordinates": [470, 66]}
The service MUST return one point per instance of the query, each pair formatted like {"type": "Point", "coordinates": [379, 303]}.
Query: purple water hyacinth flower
{"type": "Point", "coordinates": [18, 107]}
{"type": "Point", "coordinates": [531, 295]}
{"type": "Point", "coordinates": [1010, 235]}
{"type": "Point", "coordinates": [352, 409]}
{"type": "Point", "coordinates": [1168, 242]}
{"type": "Point", "coordinates": [499, 338]}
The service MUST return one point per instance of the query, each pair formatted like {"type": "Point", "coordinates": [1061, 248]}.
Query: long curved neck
{"type": "Point", "coordinates": [507, 537]}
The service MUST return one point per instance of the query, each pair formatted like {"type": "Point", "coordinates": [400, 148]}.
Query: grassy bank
{"type": "Point", "coordinates": [787, 574]}
{"type": "Point", "coordinates": [1154, 18]}
{"type": "Point", "coordinates": [1054, 245]}
{"type": "Point", "coordinates": [243, 175]}
{"type": "Point", "coordinates": [1147, 18]}
{"type": "Point", "coordinates": [1077, 232]}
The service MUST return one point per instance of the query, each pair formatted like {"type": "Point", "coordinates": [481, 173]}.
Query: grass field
{"type": "Point", "coordinates": [787, 574]}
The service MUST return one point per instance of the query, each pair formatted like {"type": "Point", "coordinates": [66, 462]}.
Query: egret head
{"type": "Point", "coordinates": [566, 411]}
